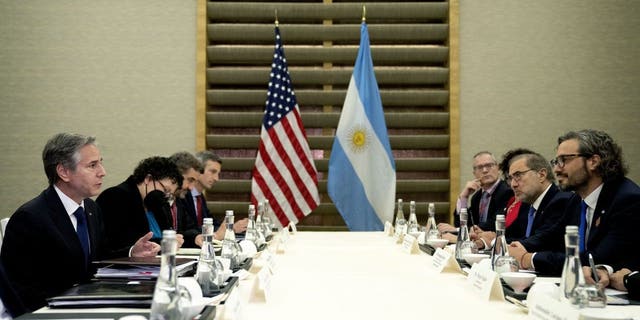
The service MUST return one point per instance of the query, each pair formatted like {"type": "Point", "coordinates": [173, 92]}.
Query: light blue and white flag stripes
{"type": "Point", "coordinates": [362, 172]}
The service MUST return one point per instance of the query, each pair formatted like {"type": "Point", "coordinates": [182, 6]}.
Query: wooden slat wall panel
{"type": "Point", "coordinates": [410, 54]}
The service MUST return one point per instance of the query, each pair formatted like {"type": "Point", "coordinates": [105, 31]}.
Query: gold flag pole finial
{"type": "Point", "coordinates": [364, 13]}
{"type": "Point", "coordinates": [276, 17]}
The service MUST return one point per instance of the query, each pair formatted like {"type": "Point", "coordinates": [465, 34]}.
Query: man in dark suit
{"type": "Point", "coordinates": [532, 233]}
{"type": "Point", "coordinates": [50, 241]}
{"type": "Point", "coordinates": [483, 197]}
{"type": "Point", "coordinates": [184, 222]}
{"type": "Point", "coordinates": [195, 201]}
{"type": "Point", "coordinates": [626, 280]}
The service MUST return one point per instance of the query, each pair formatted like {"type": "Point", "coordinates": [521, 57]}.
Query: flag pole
{"type": "Point", "coordinates": [276, 10]}
{"type": "Point", "coordinates": [364, 14]}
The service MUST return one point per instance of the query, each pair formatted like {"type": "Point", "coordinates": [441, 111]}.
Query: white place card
{"type": "Point", "coordinates": [388, 228]}
{"type": "Point", "coordinates": [410, 244]}
{"type": "Point", "coordinates": [548, 308]}
{"type": "Point", "coordinates": [261, 286]}
{"type": "Point", "coordinates": [233, 306]}
{"type": "Point", "coordinates": [443, 260]}
{"type": "Point", "coordinates": [270, 261]}
{"type": "Point", "coordinates": [485, 282]}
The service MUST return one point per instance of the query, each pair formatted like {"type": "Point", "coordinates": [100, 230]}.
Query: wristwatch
{"type": "Point", "coordinates": [627, 276]}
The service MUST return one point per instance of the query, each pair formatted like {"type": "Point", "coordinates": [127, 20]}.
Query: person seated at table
{"type": "Point", "coordinates": [183, 222]}
{"type": "Point", "coordinates": [483, 197]}
{"type": "Point", "coordinates": [10, 304]}
{"type": "Point", "coordinates": [141, 203]}
{"type": "Point", "coordinates": [484, 239]}
{"type": "Point", "coordinates": [605, 204]}
{"type": "Point", "coordinates": [626, 280]}
{"type": "Point", "coordinates": [50, 241]}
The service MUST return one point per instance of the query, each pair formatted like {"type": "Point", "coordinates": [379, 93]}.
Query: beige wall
{"type": "Point", "coordinates": [124, 72]}
{"type": "Point", "coordinates": [121, 70]}
{"type": "Point", "coordinates": [532, 70]}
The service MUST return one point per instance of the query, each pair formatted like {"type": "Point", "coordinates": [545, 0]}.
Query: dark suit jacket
{"type": "Point", "coordinates": [187, 225]}
{"type": "Point", "coordinates": [552, 208]}
{"type": "Point", "coordinates": [9, 297]}
{"type": "Point", "coordinates": [612, 239]}
{"type": "Point", "coordinates": [497, 205]}
{"type": "Point", "coordinates": [41, 251]}
{"type": "Point", "coordinates": [191, 209]}
{"type": "Point", "coordinates": [125, 218]}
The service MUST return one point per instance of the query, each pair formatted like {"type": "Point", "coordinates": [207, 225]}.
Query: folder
{"type": "Point", "coordinates": [106, 293]}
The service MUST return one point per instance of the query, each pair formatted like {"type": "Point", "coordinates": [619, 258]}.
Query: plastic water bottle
{"type": "Point", "coordinates": [166, 296]}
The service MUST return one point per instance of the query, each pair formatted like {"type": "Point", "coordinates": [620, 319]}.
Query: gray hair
{"type": "Point", "coordinates": [207, 155]}
{"type": "Point", "coordinates": [64, 149]}
{"type": "Point", "coordinates": [185, 161]}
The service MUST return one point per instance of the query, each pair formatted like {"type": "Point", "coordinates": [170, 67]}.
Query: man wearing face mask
{"type": "Point", "coordinates": [141, 203]}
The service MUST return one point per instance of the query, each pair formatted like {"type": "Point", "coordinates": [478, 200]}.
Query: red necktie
{"type": "Point", "coordinates": [199, 209]}
{"type": "Point", "coordinates": [174, 215]}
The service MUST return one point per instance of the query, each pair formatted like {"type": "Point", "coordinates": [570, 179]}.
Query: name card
{"type": "Point", "coordinates": [410, 244]}
{"type": "Point", "coordinates": [284, 235]}
{"type": "Point", "coordinates": [270, 261]}
{"type": "Point", "coordinates": [233, 307]}
{"type": "Point", "coordinates": [443, 260]}
{"type": "Point", "coordinates": [388, 228]}
{"type": "Point", "coordinates": [261, 286]}
{"type": "Point", "coordinates": [548, 308]}
{"type": "Point", "coordinates": [485, 282]}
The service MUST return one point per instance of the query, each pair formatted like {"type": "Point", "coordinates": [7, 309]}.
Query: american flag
{"type": "Point", "coordinates": [284, 171]}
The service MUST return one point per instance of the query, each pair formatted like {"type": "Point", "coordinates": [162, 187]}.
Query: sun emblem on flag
{"type": "Point", "coordinates": [358, 137]}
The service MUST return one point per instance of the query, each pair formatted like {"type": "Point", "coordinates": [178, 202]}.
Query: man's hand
{"type": "Point", "coordinates": [180, 240]}
{"type": "Point", "coordinates": [518, 251]}
{"type": "Point", "coordinates": [145, 248]}
{"type": "Point", "coordinates": [470, 188]}
{"type": "Point", "coordinates": [617, 279]}
{"type": "Point", "coordinates": [603, 276]}
{"type": "Point", "coordinates": [445, 227]}
{"type": "Point", "coordinates": [199, 239]}
{"type": "Point", "coordinates": [240, 225]}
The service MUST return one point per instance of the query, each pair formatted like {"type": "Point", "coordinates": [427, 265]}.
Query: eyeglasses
{"type": "Point", "coordinates": [517, 176]}
{"type": "Point", "coordinates": [561, 160]}
{"type": "Point", "coordinates": [167, 192]}
{"type": "Point", "coordinates": [481, 167]}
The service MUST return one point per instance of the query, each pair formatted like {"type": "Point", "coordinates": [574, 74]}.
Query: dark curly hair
{"type": "Point", "coordinates": [592, 142]}
{"type": "Point", "coordinates": [159, 168]}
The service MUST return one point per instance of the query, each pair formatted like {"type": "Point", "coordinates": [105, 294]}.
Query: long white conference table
{"type": "Point", "coordinates": [363, 275]}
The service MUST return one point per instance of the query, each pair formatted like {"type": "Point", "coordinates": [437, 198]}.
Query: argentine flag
{"type": "Point", "coordinates": [362, 172]}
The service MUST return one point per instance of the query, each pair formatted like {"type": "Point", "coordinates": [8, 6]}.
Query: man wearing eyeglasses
{"type": "Point", "coordinates": [538, 245]}
{"type": "Point", "coordinates": [590, 163]}
{"type": "Point", "coordinates": [483, 197]}
{"type": "Point", "coordinates": [141, 203]}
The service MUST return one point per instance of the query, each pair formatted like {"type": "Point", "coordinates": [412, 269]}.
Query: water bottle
{"type": "Point", "coordinates": [230, 248]}
{"type": "Point", "coordinates": [431, 230]}
{"type": "Point", "coordinates": [401, 223]}
{"type": "Point", "coordinates": [166, 296]}
{"type": "Point", "coordinates": [252, 233]}
{"type": "Point", "coordinates": [209, 273]}
{"type": "Point", "coordinates": [266, 224]}
{"type": "Point", "coordinates": [413, 226]}
{"type": "Point", "coordinates": [464, 244]}
{"type": "Point", "coordinates": [572, 275]}
{"type": "Point", "coordinates": [501, 261]}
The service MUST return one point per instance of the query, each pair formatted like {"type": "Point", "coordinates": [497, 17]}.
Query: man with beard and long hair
{"type": "Point", "coordinates": [590, 163]}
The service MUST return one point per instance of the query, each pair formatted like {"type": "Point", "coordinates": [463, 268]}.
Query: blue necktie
{"type": "Point", "coordinates": [532, 215]}
{"type": "Point", "coordinates": [583, 225]}
{"type": "Point", "coordinates": [83, 232]}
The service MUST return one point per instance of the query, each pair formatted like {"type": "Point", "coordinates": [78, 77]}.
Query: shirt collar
{"type": "Point", "coordinates": [493, 187]}
{"type": "Point", "coordinates": [592, 199]}
{"type": "Point", "coordinates": [536, 204]}
{"type": "Point", "coordinates": [69, 205]}
{"type": "Point", "coordinates": [194, 192]}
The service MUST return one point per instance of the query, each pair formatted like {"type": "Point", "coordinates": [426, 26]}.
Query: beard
{"type": "Point", "coordinates": [576, 181]}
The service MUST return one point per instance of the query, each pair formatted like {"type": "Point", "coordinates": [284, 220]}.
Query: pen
{"type": "Point", "coordinates": [593, 269]}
